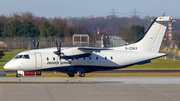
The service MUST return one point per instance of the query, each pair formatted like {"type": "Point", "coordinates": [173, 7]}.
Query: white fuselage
{"type": "Point", "coordinates": [42, 59]}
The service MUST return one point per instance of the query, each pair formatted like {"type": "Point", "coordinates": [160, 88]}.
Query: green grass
{"type": "Point", "coordinates": [8, 55]}
{"type": "Point", "coordinates": [159, 63]}
{"type": "Point", "coordinates": [172, 51]}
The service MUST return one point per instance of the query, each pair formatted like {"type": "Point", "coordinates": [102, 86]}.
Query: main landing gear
{"type": "Point", "coordinates": [71, 75]}
{"type": "Point", "coordinates": [81, 74]}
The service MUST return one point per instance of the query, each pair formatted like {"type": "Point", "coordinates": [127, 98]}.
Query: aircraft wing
{"type": "Point", "coordinates": [81, 52]}
{"type": "Point", "coordinates": [91, 49]}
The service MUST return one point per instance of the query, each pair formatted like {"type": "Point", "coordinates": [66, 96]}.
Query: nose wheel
{"type": "Point", "coordinates": [18, 75]}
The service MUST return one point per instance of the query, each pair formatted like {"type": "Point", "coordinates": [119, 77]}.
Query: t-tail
{"type": "Point", "coordinates": [151, 42]}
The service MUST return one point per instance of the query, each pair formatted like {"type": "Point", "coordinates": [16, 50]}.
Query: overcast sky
{"type": "Point", "coordinates": [79, 8]}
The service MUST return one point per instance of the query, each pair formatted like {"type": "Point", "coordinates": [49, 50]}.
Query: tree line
{"type": "Point", "coordinates": [27, 24]}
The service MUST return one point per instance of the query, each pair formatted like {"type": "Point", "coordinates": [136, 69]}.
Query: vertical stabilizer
{"type": "Point", "coordinates": [153, 38]}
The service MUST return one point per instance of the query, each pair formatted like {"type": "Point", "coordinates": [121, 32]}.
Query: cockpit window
{"type": "Point", "coordinates": [26, 57]}
{"type": "Point", "coordinates": [22, 56]}
{"type": "Point", "coordinates": [18, 56]}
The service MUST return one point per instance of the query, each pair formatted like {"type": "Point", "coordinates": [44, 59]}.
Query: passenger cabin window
{"type": "Point", "coordinates": [96, 58]}
{"type": "Point", "coordinates": [26, 57]}
{"type": "Point", "coordinates": [84, 58]}
{"type": "Point", "coordinates": [89, 58]}
{"type": "Point", "coordinates": [47, 59]}
{"type": "Point", "coordinates": [53, 58]}
{"type": "Point", "coordinates": [111, 57]}
{"type": "Point", "coordinates": [18, 56]}
{"type": "Point", "coordinates": [105, 58]}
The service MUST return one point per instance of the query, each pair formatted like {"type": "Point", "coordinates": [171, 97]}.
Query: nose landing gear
{"type": "Point", "coordinates": [18, 75]}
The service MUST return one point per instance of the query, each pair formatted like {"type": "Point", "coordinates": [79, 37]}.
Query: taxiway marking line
{"type": "Point", "coordinates": [70, 78]}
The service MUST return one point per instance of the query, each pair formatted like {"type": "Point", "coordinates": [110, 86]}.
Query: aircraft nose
{"type": "Point", "coordinates": [6, 66]}
{"type": "Point", "coordinates": [12, 65]}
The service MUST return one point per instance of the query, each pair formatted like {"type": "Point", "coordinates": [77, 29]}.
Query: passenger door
{"type": "Point", "coordinates": [38, 58]}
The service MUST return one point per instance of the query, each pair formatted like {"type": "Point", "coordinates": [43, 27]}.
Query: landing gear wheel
{"type": "Point", "coordinates": [18, 75]}
{"type": "Point", "coordinates": [71, 75]}
{"type": "Point", "coordinates": [82, 75]}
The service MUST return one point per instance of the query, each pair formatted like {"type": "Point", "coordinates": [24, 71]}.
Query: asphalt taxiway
{"type": "Point", "coordinates": [124, 80]}
{"type": "Point", "coordinates": [109, 89]}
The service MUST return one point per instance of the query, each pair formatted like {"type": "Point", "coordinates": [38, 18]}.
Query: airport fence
{"type": "Point", "coordinates": [46, 42]}
{"type": "Point", "coordinates": [93, 41]}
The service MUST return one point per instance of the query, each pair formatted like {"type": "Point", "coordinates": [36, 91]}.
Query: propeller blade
{"type": "Point", "coordinates": [60, 45]}
{"type": "Point", "coordinates": [60, 57]}
{"type": "Point", "coordinates": [56, 44]}
{"type": "Point", "coordinates": [34, 44]}
{"type": "Point", "coordinates": [60, 49]}
{"type": "Point", "coordinates": [58, 52]}
{"type": "Point", "coordinates": [37, 45]}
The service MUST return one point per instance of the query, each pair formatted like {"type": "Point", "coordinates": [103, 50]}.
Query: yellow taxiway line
{"type": "Point", "coordinates": [70, 78]}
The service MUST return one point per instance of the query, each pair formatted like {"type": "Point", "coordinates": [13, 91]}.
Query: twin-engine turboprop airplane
{"type": "Point", "coordinates": [81, 60]}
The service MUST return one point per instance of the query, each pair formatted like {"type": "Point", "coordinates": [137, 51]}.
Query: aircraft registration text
{"type": "Point", "coordinates": [130, 48]}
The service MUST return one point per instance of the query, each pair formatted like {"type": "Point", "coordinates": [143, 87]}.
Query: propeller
{"type": "Point", "coordinates": [36, 46]}
{"type": "Point", "coordinates": [58, 52]}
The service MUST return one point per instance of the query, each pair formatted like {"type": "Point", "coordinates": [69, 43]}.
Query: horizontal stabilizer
{"type": "Point", "coordinates": [143, 62]}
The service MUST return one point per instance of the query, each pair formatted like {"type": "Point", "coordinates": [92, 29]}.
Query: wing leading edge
{"type": "Point", "coordinates": [85, 52]}
{"type": "Point", "coordinates": [91, 49]}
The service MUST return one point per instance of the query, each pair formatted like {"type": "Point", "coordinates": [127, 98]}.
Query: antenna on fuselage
{"type": "Point", "coordinates": [163, 13]}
